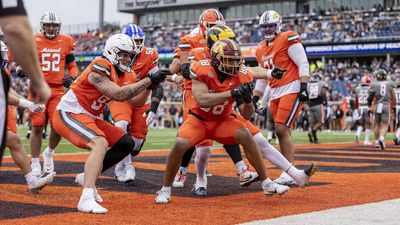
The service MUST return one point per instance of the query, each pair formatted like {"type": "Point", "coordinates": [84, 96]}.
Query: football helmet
{"type": "Point", "coordinates": [219, 32]}
{"type": "Point", "coordinates": [195, 31]}
{"type": "Point", "coordinates": [365, 80]}
{"type": "Point", "coordinates": [270, 24]}
{"type": "Point", "coordinates": [136, 33]}
{"type": "Point", "coordinates": [226, 56]}
{"type": "Point", "coordinates": [50, 25]}
{"type": "Point", "coordinates": [209, 18]}
{"type": "Point", "coordinates": [380, 74]}
{"type": "Point", "coordinates": [120, 43]}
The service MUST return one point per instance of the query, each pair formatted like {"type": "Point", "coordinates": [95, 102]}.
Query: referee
{"type": "Point", "coordinates": [19, 38]}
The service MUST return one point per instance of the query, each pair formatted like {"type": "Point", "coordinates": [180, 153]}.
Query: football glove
{"type": "Point", "coordinates": [303, 93]}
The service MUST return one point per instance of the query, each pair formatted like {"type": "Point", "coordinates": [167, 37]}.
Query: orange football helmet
{"type": "Point", "coordinates": [209, 18]}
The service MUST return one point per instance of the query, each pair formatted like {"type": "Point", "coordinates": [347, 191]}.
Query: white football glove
{"type": "Point", "coordinates": [31, 106]}
{"type": "Point", "coordinates": [150, 117]}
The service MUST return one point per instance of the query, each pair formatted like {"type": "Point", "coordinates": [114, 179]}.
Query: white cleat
{"type": "Point", "coordinates": [381, 144]}
{"type": "Point", "coordinates": [163, 196]}
{"type": "Point", "coordinates": [179, 181]}
{"type": "Point", "coordinates": [306, 175]}
{"type": "Point", "coordinates": [39, 183]}
{"type": "Point", "coordinates": [247, 177]}
{"type": "Point", "coordinates": [120, 173]}
{"type": "Point", "coordinates": [36, 169]}
{"type": "Point", "coordinates": [285, 179]}
{"type": "Point", "coordinates": [271, 188]}
{"type": "Point", "coordinates": [130, 175]}
{"type": "Point", "coordinates": [89, 205]}
{"type": "Point", "coordinates": [48, 163]}
{"type": "Point", "coordinates": [79, 179]}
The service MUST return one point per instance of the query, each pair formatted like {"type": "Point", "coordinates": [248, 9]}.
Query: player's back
{"type": "Point", "coordinates": [203, 71]}
{"type": "Point", "coordinates": [146, 62]}
{"type": "Point", "coordinates": [362, 95]}
{"type": "Point", "coordinates": [275, 54]}
{"type": "Point", "coordinates": [52, 56]}
{"type": "Point", "coordinates": [88, 96]}
{"type": "Point", "coordinates": [315, 89]}
{"type": "Point", "coordinates": [382, 91]}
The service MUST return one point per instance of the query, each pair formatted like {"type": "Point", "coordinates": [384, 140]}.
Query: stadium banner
{"type": "Point", "coordinates": [353, 48]}
{"type": "Point", "coordinates": [249, 52]}
{"type": "Point", "coordinates": [133, 5]}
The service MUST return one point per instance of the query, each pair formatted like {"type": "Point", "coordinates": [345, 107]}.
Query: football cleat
{"type": "Point", "coordinates": [79, 179]}
{"type": "Point", "coordinates": [179, 181]}
{"type": "Point", "coordinates": [247, 177]}
{"type": "Point", "coordinates": [130, 175]}
{"type": "Point", "coordinates": [357, 139]}
{"type": "Point", "coordinates": [285, 179]}
{"type": "Point", "coordinates": [271, 188]}
{"type": "Point", "coordinates": [308, 172]}
{"type": "Point", "coordinates": [381, 144]}
{"type": "Point", "coordinates": [48, 163]}
{"type": "Point", "coordinates": [310, 137]}
{"type": "Point", "coordinates": [120, 172]}
{"type": "Point", "coordinates": [36, 169]}
{"type": "Point", "coordinates": [200, 188]}
{"type": "Point", "coordinates": [89, 205]}
{"type": "Point", "coordinates": [39, 183]}
{"type": "Point", "coordinates": [163, 196]}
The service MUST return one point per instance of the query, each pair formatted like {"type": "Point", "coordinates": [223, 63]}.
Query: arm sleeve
{"type": "Point", "coordinates": [298, 55]}
{"type": "Point", "coordinates": [71, 64]}
{"type": "Point", "coordinates": [265, 97]}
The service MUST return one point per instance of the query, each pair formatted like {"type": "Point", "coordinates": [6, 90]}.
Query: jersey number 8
{"type": "Point", "coordinates": [216, 110]}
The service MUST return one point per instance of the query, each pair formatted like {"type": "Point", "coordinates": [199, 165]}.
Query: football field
{"type": "Point", "coordinates": [350, 177]}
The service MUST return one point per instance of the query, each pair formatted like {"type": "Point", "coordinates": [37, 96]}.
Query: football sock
{"type": "Point", "coordinates": [201, 162]}
{"type": "Point", "coordinates": [367, 134]}
{"type": "Point", "coordinates": [358, 132]}
{"type": "Point", "coordinates": [234, 152]}
{"type": "Point", "coordinates": [270, 153]}
{"type": "Point", "coordinates": [187, 157]}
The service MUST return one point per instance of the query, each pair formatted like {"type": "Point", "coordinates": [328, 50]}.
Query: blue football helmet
{"type": "Point", "coordinates": [136, 33]}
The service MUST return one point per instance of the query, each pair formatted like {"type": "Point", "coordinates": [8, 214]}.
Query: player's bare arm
{"type": "Point", "coordinates": [246, 110]}
{"type": "Point", "coordinates": [115, 92]}
{"type": "Point", "coordinates": [206, 99]}
{"type": "Point", "coordinates": [140, 99]}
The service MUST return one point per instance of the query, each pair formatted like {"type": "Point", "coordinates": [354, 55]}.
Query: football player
{"type": "Point", "coordinates": [107, 78]}
{"type": "Point", "coordinates": [217, 83]}
{"type": "Point", "coordinates": [283, 50]}
{"type": "Point", "coordinates": [135, 120]}
{"type": "Point", "coordinates": [397, 92]}
{"type": "Point", "coordinates": [13, 142]}
{"type": "Point", "coordinates": [383, 91]}
{"type": "Point", "coordinates": [364, 115]}
{"type": "Point", "coordinates": [317, 90]}
{"type": "Point", "coordinates": [55, 52]}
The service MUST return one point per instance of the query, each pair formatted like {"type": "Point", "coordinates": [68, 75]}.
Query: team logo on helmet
{"type": "Point", "coordinates": [209, 18]}
{"type": "Point", "coordinates": [219, 32]}
{"type": "Point", "coordinates": [270, 24]}
{"type": "Point", "coordinates": [226, 56]}
{"type": "Point", "coordinates": [50, 25]}
{"type": "Point", "coordinates": [115, 45]}
{"type": "Point", "coordinates": [136, 33]}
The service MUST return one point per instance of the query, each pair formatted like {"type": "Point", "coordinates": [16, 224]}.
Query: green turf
{"type": "Point", "coordinates": [164, 138]}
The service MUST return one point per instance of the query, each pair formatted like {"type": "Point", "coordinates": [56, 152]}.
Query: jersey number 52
{"type": "Point", "coordinates": [51, 62]}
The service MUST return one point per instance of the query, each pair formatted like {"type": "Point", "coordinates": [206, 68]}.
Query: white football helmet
{"type": "Point", "coordinates": [195, 31]}
{"type": "Point", "coordinates": [116, 44]}
{"type": "Point", "coordinates": [270, 24]}
{"type": "Point", "coordinates": [50, 18]}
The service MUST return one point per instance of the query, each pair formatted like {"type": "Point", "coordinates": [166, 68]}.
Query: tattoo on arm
{"type": "Point", "coordinates": [115, 92]}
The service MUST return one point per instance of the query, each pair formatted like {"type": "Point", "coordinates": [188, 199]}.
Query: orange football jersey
{"type": "Point", "coordinates": [188, 42]}
{"type": "Point", "coordinates": [275, 54]}
{"type": "Point", "coordinates": [203, 71]}
{"type": "Point", "coordinates": [52, 54]}
{"type": "Point", "coordinates": [201, 53]}
{"type": "Point", "coordinates": [145, 62]}
{"type": "Point", "coordinates": [177, 53]}
{"type": "Point", "coordinates": [88, 96]}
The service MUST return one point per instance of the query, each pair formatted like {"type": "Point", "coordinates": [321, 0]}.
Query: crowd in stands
{"type": "Point", "coordinates": [338, 25]}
